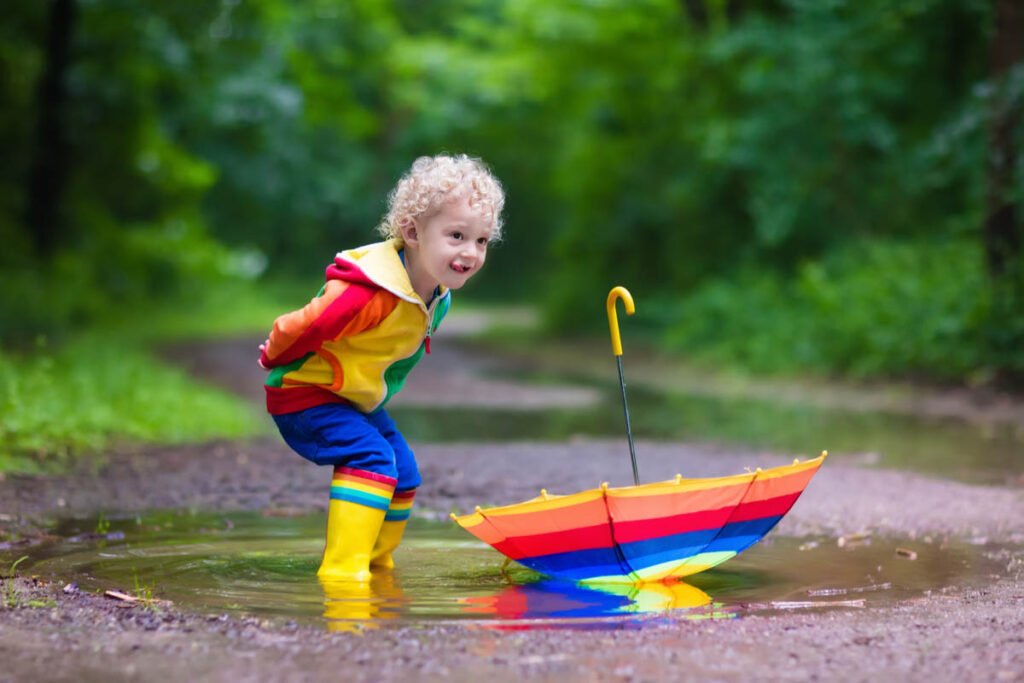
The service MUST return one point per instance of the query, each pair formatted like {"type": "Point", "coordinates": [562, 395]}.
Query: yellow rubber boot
{"type": "Point", "coordinates": [392, 529]}
{"type": "Point", "coordinates": [359, 502]}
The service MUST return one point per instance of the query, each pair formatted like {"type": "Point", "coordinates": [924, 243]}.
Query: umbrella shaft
{"type": "Point", "coordinates": [629, 432]}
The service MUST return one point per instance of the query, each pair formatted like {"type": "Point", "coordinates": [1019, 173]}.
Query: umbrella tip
{"type": "Point", "coordinates": [824, 453]}
{"type": "Point", "coordinates": [477, 508]}
{"type": "Point", "coordinates": [452, 515]}
{"type": "Point", "coordinates": [679, 478]}
{"type": "Point", "coordinates": [604, 485]}
{"type": "Point", "coordinates": [544, 494]}
{"type": "Point", "coordinates": [796, 461]}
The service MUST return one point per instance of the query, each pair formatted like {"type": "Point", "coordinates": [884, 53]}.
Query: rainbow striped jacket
{"type": "Point", "coordinates": [357, 340]}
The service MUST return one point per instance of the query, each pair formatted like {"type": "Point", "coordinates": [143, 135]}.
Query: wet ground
{"type": "Point", "coordinates": [248, 564]}
{"type": "Point", "coordinates": [887, 565]}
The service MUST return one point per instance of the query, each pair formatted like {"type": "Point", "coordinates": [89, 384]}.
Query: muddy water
{"type": "Point", "coordinates": [266, 567]}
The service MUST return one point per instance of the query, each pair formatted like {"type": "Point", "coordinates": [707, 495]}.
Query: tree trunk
{"type": "Point", "coordinates": [734, 11]}
{"type": "Point", "coordinates": [697, 11]}
{"type": "Point", "coordinates": [49, 169]}
{"type": "Point", "coordinates": [1002, 231]}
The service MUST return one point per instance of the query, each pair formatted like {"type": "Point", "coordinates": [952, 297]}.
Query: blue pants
{"type": "Point", "coordinates": [338, 434]}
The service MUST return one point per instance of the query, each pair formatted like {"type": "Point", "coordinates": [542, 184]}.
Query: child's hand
{"type": "Point", "coordinates": [263, 347]}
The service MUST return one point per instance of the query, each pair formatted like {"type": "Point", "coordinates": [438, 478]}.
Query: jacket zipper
{"type": "Point", "coordinates": [430, 323]}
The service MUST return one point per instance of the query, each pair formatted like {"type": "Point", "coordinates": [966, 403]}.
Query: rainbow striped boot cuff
{"type": "Point", "coordinates": [391, 531]}
{"type": "Point", "coordinates": [401, 506]}
{"type": "Point", "coordinates": [363, 487]}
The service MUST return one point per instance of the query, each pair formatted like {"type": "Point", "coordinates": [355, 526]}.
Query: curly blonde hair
{"type": "Point", "coordinates": [435, 180]}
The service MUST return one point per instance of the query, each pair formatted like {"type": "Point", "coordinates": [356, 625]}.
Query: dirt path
{"type": "Point", "coordinates": [959, 633]}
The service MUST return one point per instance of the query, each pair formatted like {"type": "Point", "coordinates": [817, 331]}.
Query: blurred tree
{"type": "Point", "coordinates": [671, 145]}
{"type": "Point", "coordinates": [109, 207]}
{"type": "Point", "coordinates": [50, 159]}
{"type": "Point", "coordinates": [1002, 225]}
{"type": "Point", "coordinates": [769, 139]}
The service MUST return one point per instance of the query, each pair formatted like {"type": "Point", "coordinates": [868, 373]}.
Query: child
{"type": "Point", "coordinates": [336, 363]}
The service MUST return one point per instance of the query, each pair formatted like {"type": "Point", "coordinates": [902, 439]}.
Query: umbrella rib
{"type": "Point", "coordinates": [623, 562]}
{"type": "Point", "coordinates": [714, 538]}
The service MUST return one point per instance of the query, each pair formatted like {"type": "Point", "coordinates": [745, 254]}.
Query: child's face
{"type": "Point", "coordinates": [448, 247]}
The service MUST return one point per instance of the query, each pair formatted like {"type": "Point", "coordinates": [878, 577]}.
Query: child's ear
{"type": "Point", "coordinates": [409, 233]}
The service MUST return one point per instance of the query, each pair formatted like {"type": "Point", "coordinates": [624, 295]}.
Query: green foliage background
{"type": "Point", "coordinates": [785, 185]}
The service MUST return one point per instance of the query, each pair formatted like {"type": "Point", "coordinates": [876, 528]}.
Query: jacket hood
{"type": "Point", "coordinates": [376, 265]}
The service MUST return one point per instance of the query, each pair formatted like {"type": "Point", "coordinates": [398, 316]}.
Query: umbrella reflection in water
{"type": "Point", "coordinates": [561, 599]}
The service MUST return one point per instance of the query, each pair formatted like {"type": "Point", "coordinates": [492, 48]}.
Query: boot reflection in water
{"type": "Point", "coordinates": [356, 606]}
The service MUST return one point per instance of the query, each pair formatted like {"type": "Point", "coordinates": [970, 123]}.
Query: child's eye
{"type": "Point", "coordinates": [457, 235]}
{"type": "Point", "coordinates": [482, 241]}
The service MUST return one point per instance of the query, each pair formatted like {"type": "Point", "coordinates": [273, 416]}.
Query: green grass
{"type": "Point", "coordinates": [95, 391]}
{"type": "Point", "coordinates": [11, 594]}
{"type": "Point", "coordinates": [229, 309]}
{"type": "Point", "coordinates": [103, 386]}
{"type": "Point", "coordinates": [83, 391]}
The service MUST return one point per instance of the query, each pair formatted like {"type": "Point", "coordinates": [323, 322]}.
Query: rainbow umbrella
{"type": "Point", "coordinates": [651, 532]}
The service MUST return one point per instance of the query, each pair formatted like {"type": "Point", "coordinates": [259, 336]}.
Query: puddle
{"type": "Point", "coordinates": [245, 563]}
{"type": "Point", "coordinates": [981, 454]}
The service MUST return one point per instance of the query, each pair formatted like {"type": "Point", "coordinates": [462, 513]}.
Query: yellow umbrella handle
{"type": "Point", "coordinates": [613, 318]}
{"type": "Point", "coordinates": [613, 324]}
